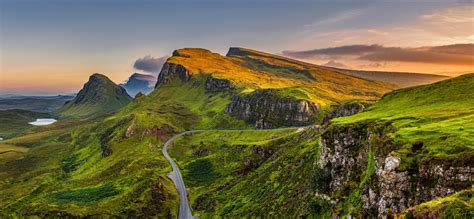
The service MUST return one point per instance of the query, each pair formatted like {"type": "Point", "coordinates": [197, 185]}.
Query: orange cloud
{"type": "Point", "coordinates": [458, 54]}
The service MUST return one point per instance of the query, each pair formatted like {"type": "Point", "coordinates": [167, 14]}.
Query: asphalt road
{"type": "Point", "coordinates": [184, 208]}
{"type": "Point", "coordinates": [175, 175]}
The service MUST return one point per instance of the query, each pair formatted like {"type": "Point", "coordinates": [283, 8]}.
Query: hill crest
{"type": "Point", "coordinates": [99, 95]}
{"type": "Point", "coordinates": [401, 79]}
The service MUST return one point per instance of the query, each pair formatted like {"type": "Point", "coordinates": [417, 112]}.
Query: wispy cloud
{"type": "Point", "coordinates": [343, 16]}
{"type": "Point", "coordinates": [408, 46]}
{"type": "Point", "coordinates": [440, 27]}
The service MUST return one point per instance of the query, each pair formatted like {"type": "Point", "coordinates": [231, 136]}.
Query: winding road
{"type": "Point", "coordinates": [175, 175]}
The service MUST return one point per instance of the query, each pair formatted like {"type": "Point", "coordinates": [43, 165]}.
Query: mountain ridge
{"type": "Point", "coordinates": [99, 95]}
{"type": "Point", "coordinates": [138, 82]}
{"type": "Point", "coordinates": [401, 79]}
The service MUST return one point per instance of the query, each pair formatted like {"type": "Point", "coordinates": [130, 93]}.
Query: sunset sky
{"type": "Point", "coordinates": [52, 46]}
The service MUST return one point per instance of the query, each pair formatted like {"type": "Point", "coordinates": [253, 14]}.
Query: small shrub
{"type": "Point", "coordinates": [321, 179]}
{"type": "Point", "coordinates": [201, 171]}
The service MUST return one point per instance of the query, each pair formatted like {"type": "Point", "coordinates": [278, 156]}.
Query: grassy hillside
{"type": "Point", "coordinates": [182, 106]}
{"type": "Point", "coordinates": [91, 168]}
{"type": "Point", "coordinates": [440, 116]}
{"type": "Point", "coordinates": [112, 166]}
{"type": "Point", "coordinates": [250, 70]}
{"type": "Point", "coordinates": [249, 173]}
{"type": "Point", "coordinates": [458, 205]}
{"type": "Point", "coordinates": [281, 165]}
{"type": "Point", "coordinates": [10, 152]}
{"type": "Point", "coordinates": [98, 96]}
{"type": "Point", "coordinates": [15, 121]}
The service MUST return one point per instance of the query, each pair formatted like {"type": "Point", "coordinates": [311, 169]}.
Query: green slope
{"type": "Point", "coordinates": [250, 70]}
{"type": "Point", "coordinates": [458, 205]}
{"type": "Point", "coordinates": [91, 168]}
{"type": "Point", "coordinates": [15, 121]}
{"type": "Point", "coordinates": [259, 173]}
{"type": "Point", "coordinates": [98, 96]}
{"type": "Point", "coordinates": [249, 173]}
{"type": "Point", "coordinates": [439, 115]}
{"type": "Point", "coordinates": [112, 165]}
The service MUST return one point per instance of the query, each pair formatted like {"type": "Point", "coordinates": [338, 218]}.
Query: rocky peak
{"type": "Point", "coordinates": [99, 94]}
{"type": "Point", "coordinates": [97, 88]}
{"type": "Point", "coordinates": [171, 70]}
{"type": "Point", "coordinates": [139, 83]}
{"type": "Point", "coordinates": [98, 78]}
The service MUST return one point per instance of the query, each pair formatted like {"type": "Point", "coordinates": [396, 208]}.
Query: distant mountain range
{"type": "Point", "coordinates": [139, 83]}
{"type": "Point", "coordinates": [33, 103]}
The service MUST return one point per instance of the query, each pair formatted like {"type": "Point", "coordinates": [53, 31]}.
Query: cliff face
{"type": "Point", "coordinates": [262, 108]}
{"type": "Point", "coordinates": [266, 109]}
{"type": "Point", "coordinates": [214, 84]}
{"type": "Point", "coordinates": [171, 70]}
{"type": "Point", "coordinates": [345, 109]}
{"type": "Point", "coordinates": [360, 158]}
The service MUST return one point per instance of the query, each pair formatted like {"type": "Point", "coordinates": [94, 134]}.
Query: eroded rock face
{"type": "Point", "coordinates": [345, 151]}
{"type": "Point", "coordinates": [266, 109]}
{"type": "Point", "coordinates": [215, 84]}
{"type": "Point", "coordinates": [346, 109]}
{"type": "Point", "coordinates": [170, 71]}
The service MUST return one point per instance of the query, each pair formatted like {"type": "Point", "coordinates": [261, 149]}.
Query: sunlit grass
{"type": "Point", "coordinates": [290, 77]}
{"type": "Point", "coordinates": [440, 115]}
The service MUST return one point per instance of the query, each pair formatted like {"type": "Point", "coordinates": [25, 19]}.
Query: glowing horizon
{"type": "Point", "coordinates": [53, 47]}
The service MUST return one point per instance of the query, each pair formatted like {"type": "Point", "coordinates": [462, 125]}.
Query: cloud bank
{"type": "Point", "coordinates": [150, 64]}
{"type": "Point", "coordinates": [456, 54]}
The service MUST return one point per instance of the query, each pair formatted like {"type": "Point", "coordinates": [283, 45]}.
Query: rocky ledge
{"type": "Point", "coordinates": [361, 162]}
{"type": "Point", "coordinates": [216, 85]}
{"type": "Point", "coordinates": [266, 109]}
{"type": "Point", "coordinates": [346, 109]}
{"type": "Point", "coordinates": [170, 71]}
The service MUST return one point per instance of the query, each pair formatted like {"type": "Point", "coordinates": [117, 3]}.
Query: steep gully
{"type": "Point", "coordinates": [175, 175]}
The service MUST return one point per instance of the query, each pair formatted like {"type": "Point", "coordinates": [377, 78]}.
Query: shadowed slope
{"type": "Point", "coordinates": [98, 96]}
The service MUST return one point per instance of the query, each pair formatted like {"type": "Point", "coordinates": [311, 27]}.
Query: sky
{"type": "Point", "coordinates": [50, 47]}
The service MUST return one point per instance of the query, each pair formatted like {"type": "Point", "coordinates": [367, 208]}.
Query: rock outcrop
{"type": "Point", "coordinates": [356, 151]}
{"type": "Point", "coordinates": [215, 84]}
{"type": "Point", "coordinates": [171, 70]}
{"type": "Point", "coordinates": [346, 109]}
{"type": "Point", "coordinates": [266, 109]}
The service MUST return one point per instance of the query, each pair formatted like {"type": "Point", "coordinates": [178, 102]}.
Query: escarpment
{"type": "Point", "coordinates": [263, 108]}
{"type": "Point", "coordinates": [371, 177]}
{"type": "Point", "coordinates": [215, 84]}
{"type": "Point", "coordinates": [170, 70]}
{"type": "Point", "coordinates": [266, 109]}
{"type": "Point", "coordinates": [345, 109]}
